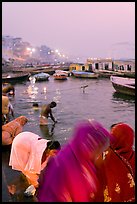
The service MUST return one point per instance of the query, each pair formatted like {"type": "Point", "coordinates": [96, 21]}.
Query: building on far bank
{"type": "Point", "coordinates": [106, 64]}
{"type": "Point", "coordinates": [124, 65]}
{"type": "Point", "coordinates": [93, 64]}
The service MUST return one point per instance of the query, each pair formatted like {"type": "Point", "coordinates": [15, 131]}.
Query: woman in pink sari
{"type": "Point", "coordinates": [71, 175]}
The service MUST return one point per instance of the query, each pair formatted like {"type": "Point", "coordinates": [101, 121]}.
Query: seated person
{"type": "Point", "coordinates": [7, 109]}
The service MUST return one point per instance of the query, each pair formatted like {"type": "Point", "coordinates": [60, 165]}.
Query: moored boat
{"type": "Point", "coordinates": [41, 76]}
{"type": "Point", "coordinates": [83, 74]}
{"type": "Point", "coordinates": [60, 75]}
{"type": "Point", "coordinates": [62, 71]}
{"type": "Point", "coordinates": [11, 77]}
{"type": "Point", "coordinates": [123, 85]}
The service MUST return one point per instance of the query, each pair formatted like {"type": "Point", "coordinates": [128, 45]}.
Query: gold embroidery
{"type": "Point", "coordinates": [67, 196]}
{"type": "Point", "coordinates": [117, 188]}
{"type": "Point", "coordinates": [106, 196]}
{"type": "Point", "coordinates": [131, 180]}
{"type": "Point", "coordinates": [104, 155]}
{"type": "Point", "coordinates": [92, 195]}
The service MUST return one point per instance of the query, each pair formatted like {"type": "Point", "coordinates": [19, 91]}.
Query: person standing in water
{"type": "Point", "coordinates": [46, 111]}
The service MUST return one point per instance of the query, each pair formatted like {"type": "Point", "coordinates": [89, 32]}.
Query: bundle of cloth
{"type": "Point", "coordinates": [11, 129]}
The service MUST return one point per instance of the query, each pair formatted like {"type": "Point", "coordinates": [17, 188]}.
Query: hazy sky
{"type": "Point", "coordinates": [91, 29]}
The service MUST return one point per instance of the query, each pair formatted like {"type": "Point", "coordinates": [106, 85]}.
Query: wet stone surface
{"type": "Point", "coordinates": [14, 182]}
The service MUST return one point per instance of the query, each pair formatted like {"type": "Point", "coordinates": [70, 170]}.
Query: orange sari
{"type": "Point", "coordinates": [12, 129]}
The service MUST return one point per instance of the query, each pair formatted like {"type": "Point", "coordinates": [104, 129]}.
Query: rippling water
{"type": "Point", "coordinates": [99, 101]}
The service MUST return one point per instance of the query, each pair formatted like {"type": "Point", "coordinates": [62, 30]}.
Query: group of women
{"type": "Point", "coordinates": [95, 165]}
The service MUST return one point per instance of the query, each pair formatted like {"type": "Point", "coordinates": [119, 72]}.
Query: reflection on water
{"type": "Point", "coordinates": [123, 97]}
{"type": "Point", "coordinates": [47, 130]}
{"type": "Point", "coordinates": [98, 101]}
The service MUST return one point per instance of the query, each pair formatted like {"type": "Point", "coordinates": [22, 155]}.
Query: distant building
{"type": "Point", "coordinates": [78, 67]}
{"type": "Point", "coordinates": [96, 64]}
{"type": "Point", "coordinates": [124, 65]}
{"type": "Point", "coordinates": [106, 64]}
{"type": "Point", "coordinates": [93, 65]}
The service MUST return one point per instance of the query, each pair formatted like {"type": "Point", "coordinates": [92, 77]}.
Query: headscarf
{"type": "Point", "coordinates": [22, 120]}
{"type": "Point", "coordinates": [124, 138]}
{"type": "Point", "coordinates": [117, 171]}
{"type": "Point", "coordinates": [89, 137]}
{"type": "Point", "coordinates": [71, 174]}
{"type": "Point", "coordinates": [26, 154]}
{"type": "Point", "coordinates": [123, 143]}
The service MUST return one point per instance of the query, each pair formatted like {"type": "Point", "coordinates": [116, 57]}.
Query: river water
{"type": "Point", "coordinates": [99, 101]}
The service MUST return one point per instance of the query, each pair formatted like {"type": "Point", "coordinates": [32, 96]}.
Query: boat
{"type": "Point", "coordinates": [123, 85]}
{"type": "Point", "coordinates": [83, 74]}
{"type": "Point", "coordinates": [62, 71]}
{"type": "Point", "coordinates": [14, 77]}
{"type": "Point", "coordinates": [60, 75]}
{"type": "Point", "coordinates": [41, 76]}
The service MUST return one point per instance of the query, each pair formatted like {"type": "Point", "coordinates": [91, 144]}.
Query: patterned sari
{"type": "Point", "coordinates": [117, 170]}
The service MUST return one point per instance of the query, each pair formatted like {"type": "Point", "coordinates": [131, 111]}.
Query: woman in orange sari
{"type": "Point", "coordinates": [117, 169]}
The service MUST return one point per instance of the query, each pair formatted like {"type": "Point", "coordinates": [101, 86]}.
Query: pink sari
{"type": "Point", "coordinates": [71, 175]}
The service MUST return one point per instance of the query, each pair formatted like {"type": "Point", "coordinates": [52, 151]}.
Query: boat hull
{"type": "Point", "coordinates": [60, 75]}
{"type": "Point", "coordinates": [14, 77]}
{"type": "Point", "coordinates": [85, 75]}
{"type": "Point", "coordinates": [42, 76]}
{"type": "Point", "coordinates": [126, 87]}
{"type": "Point", "coordinates": [42, 79]}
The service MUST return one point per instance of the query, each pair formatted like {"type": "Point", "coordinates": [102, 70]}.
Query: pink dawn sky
{"type": "Point", "coordinates": [84, 29]}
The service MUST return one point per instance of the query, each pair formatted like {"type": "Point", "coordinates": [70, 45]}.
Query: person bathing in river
{"type": "Point", "coordinates": [7, 109]}
{"type": "Point", "coordinates": [46, 111]}
{"type": "Point", "coordinates": [9, 90]}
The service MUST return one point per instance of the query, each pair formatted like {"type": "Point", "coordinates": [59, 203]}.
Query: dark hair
{"type": "Point", "coordinates": [53, 145]}
{"type": "Point", "coordinates": [114, 124]}
{"type": "Point", "coordinates": [35, 104]}
{"type": "Point", "coordinates": [53, 104]}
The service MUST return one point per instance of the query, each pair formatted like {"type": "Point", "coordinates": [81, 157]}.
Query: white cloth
{"type": "Point", "coordinates": [26, 153]}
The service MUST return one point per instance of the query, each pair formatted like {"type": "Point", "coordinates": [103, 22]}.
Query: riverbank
{"type": "Point", "coordinates": [13, 182]}
{"type": "Point", "coordinates": [51, 70]}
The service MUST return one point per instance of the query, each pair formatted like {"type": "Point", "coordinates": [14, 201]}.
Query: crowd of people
{"type": "Point", "coordinates": [95, 165]}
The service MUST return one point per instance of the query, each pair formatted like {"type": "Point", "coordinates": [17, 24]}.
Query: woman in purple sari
{"type": "Point", "coordinates": [71, 175]}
